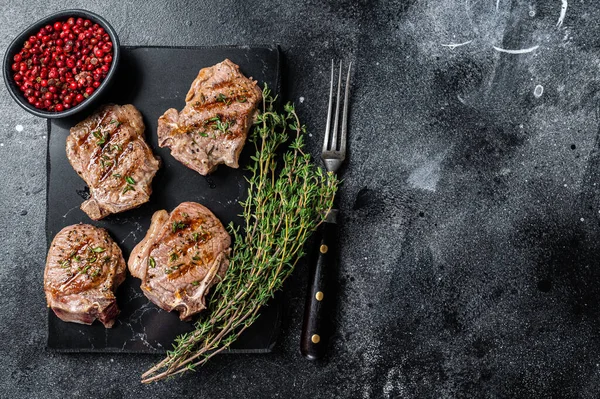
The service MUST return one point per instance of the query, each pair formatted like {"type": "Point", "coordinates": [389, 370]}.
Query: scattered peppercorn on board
{"type": "Point", "coordinates": [155, 79]}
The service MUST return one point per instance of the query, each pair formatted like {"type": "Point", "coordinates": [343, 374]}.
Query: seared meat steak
{"type": "Point", "coordinates": [181, 257]}
{"type": "Point", "coordinates": [109, 152]}
{"type": "Point", "coordinates": [220, 108]}
{"type": "Point", "coordinates": [84, 267]}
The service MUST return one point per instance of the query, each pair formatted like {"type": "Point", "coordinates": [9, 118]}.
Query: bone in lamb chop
{"type": "Point", "coordinates": [212, 127]}
{"type": "Point", "coordinates": [109, 152]}
{"type": "Point", "coordinates": [183, 254]}
{"type": "Point", "coordinates": [84, 267]}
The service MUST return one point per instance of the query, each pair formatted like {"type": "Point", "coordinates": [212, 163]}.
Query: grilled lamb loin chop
{"type": "Point", "coordinates": [109, 152]}
{"type": "Point", "coordinates": [84, 267]}
{"type": "Point", "coordinates": [181, 257]}
{"type": "Point", "coordinates": [212, 127]}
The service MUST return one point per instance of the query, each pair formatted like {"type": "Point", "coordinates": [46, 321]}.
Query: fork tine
{"type": "Point", "coordinates": [328, 125]}
{"type": "Point", "coordinates": [345, 114]}
{"type": "Point", "coordinates": [337, 111]}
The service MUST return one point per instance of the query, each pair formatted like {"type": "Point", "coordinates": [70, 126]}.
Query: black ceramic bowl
{"type": "Point", "coordinates": [17, 44]}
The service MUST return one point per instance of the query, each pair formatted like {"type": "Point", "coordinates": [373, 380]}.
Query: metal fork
{"type": "Point", "coordinates": [332, 154]}
{"type": "Point", "coordinates": [320, 299]}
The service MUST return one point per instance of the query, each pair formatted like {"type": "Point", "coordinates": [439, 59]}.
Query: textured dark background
{"type": "Point", "coordinates": [470, 235]}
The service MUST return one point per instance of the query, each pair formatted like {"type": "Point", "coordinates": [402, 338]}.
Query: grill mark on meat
{"type": "Point", "coordinates": [109, 148]}
{"type": "Point", "coordinates": [115, 139]}
{"type": "Point", "coordinates": [210, 127]}
{"type": "Point", "coordinates": [189, 250]}
{"type": "Point", "coordinates": [194, 138]}
{"type": "Point", "coordinates": [111, 142]}
{"type": "Point", "coordinates": [108, 170]}
{"type": "Point", "coordinates": [184, 244]}
{"type": "Point", "coordinates": [78, 250]}
{"type": "Point", "coordinates": [226, 92]}
{"type": "Point", "coordinates": [127, 149]}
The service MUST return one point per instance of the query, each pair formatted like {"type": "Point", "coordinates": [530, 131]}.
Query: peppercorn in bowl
{"type": "Point", "coordinates": [61, 64]}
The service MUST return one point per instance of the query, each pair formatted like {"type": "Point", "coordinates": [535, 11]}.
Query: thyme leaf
{"type": "Point", "coordinates": [102, 139]}
{"type": "Point", "coordinates": [128, 188]}
{"type": "Point", "coordinates": [177, 226]}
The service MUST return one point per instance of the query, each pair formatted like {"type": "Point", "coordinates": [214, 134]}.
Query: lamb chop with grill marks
{"type": "Point", "coordinates": [212, 127]}
{"type": "Point", "coordinates": [84, 267]}
{"type": "Point", "coordinates": [183, 254]}
{"type": "Point", "coordinates": [109, 152]}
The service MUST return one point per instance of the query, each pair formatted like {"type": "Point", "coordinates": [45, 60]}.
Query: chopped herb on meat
{"type": "Point", "coordinates": [177, 226]}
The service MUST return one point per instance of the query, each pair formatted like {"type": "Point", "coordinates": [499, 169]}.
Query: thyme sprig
{"type": "Point", "coordinates": [285, 204]}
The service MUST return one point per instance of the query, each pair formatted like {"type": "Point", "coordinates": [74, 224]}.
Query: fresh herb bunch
{"type": "Point", "coordinates": [284, 206]}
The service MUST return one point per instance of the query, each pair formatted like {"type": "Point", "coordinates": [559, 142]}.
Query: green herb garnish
{"type": "Point", "coordinates": [128, 188]}
{"type": "Point", "coordinates": [222, 126]}
{"type": "Point", "coordinates": [101, 139]}
{"type": "Point", "coordinates": [177, 226]}
{"type": "Point", "coordinates": [151, 262]}
{"type": "Point", "coordinates": [129, 180]}
{"type": "Point", "coordinates": [171, 269]}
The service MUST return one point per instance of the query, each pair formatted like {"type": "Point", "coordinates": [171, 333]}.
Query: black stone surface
{"type": "Point", "coordinates": [470, 233]}
{"type": "Point", "coordinates": [149, 79]}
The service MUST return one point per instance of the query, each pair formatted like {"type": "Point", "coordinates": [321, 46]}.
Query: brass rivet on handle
{"type": "Point", "coordinates": [319, 296]}
{"type": "Point", "coordinates": [324, 249]}
{"type": "Point", "coordinates": [315, 338]}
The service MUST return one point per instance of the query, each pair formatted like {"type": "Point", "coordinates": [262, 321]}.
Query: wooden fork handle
{"type": "Point", "coordinates": [318, 310]}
